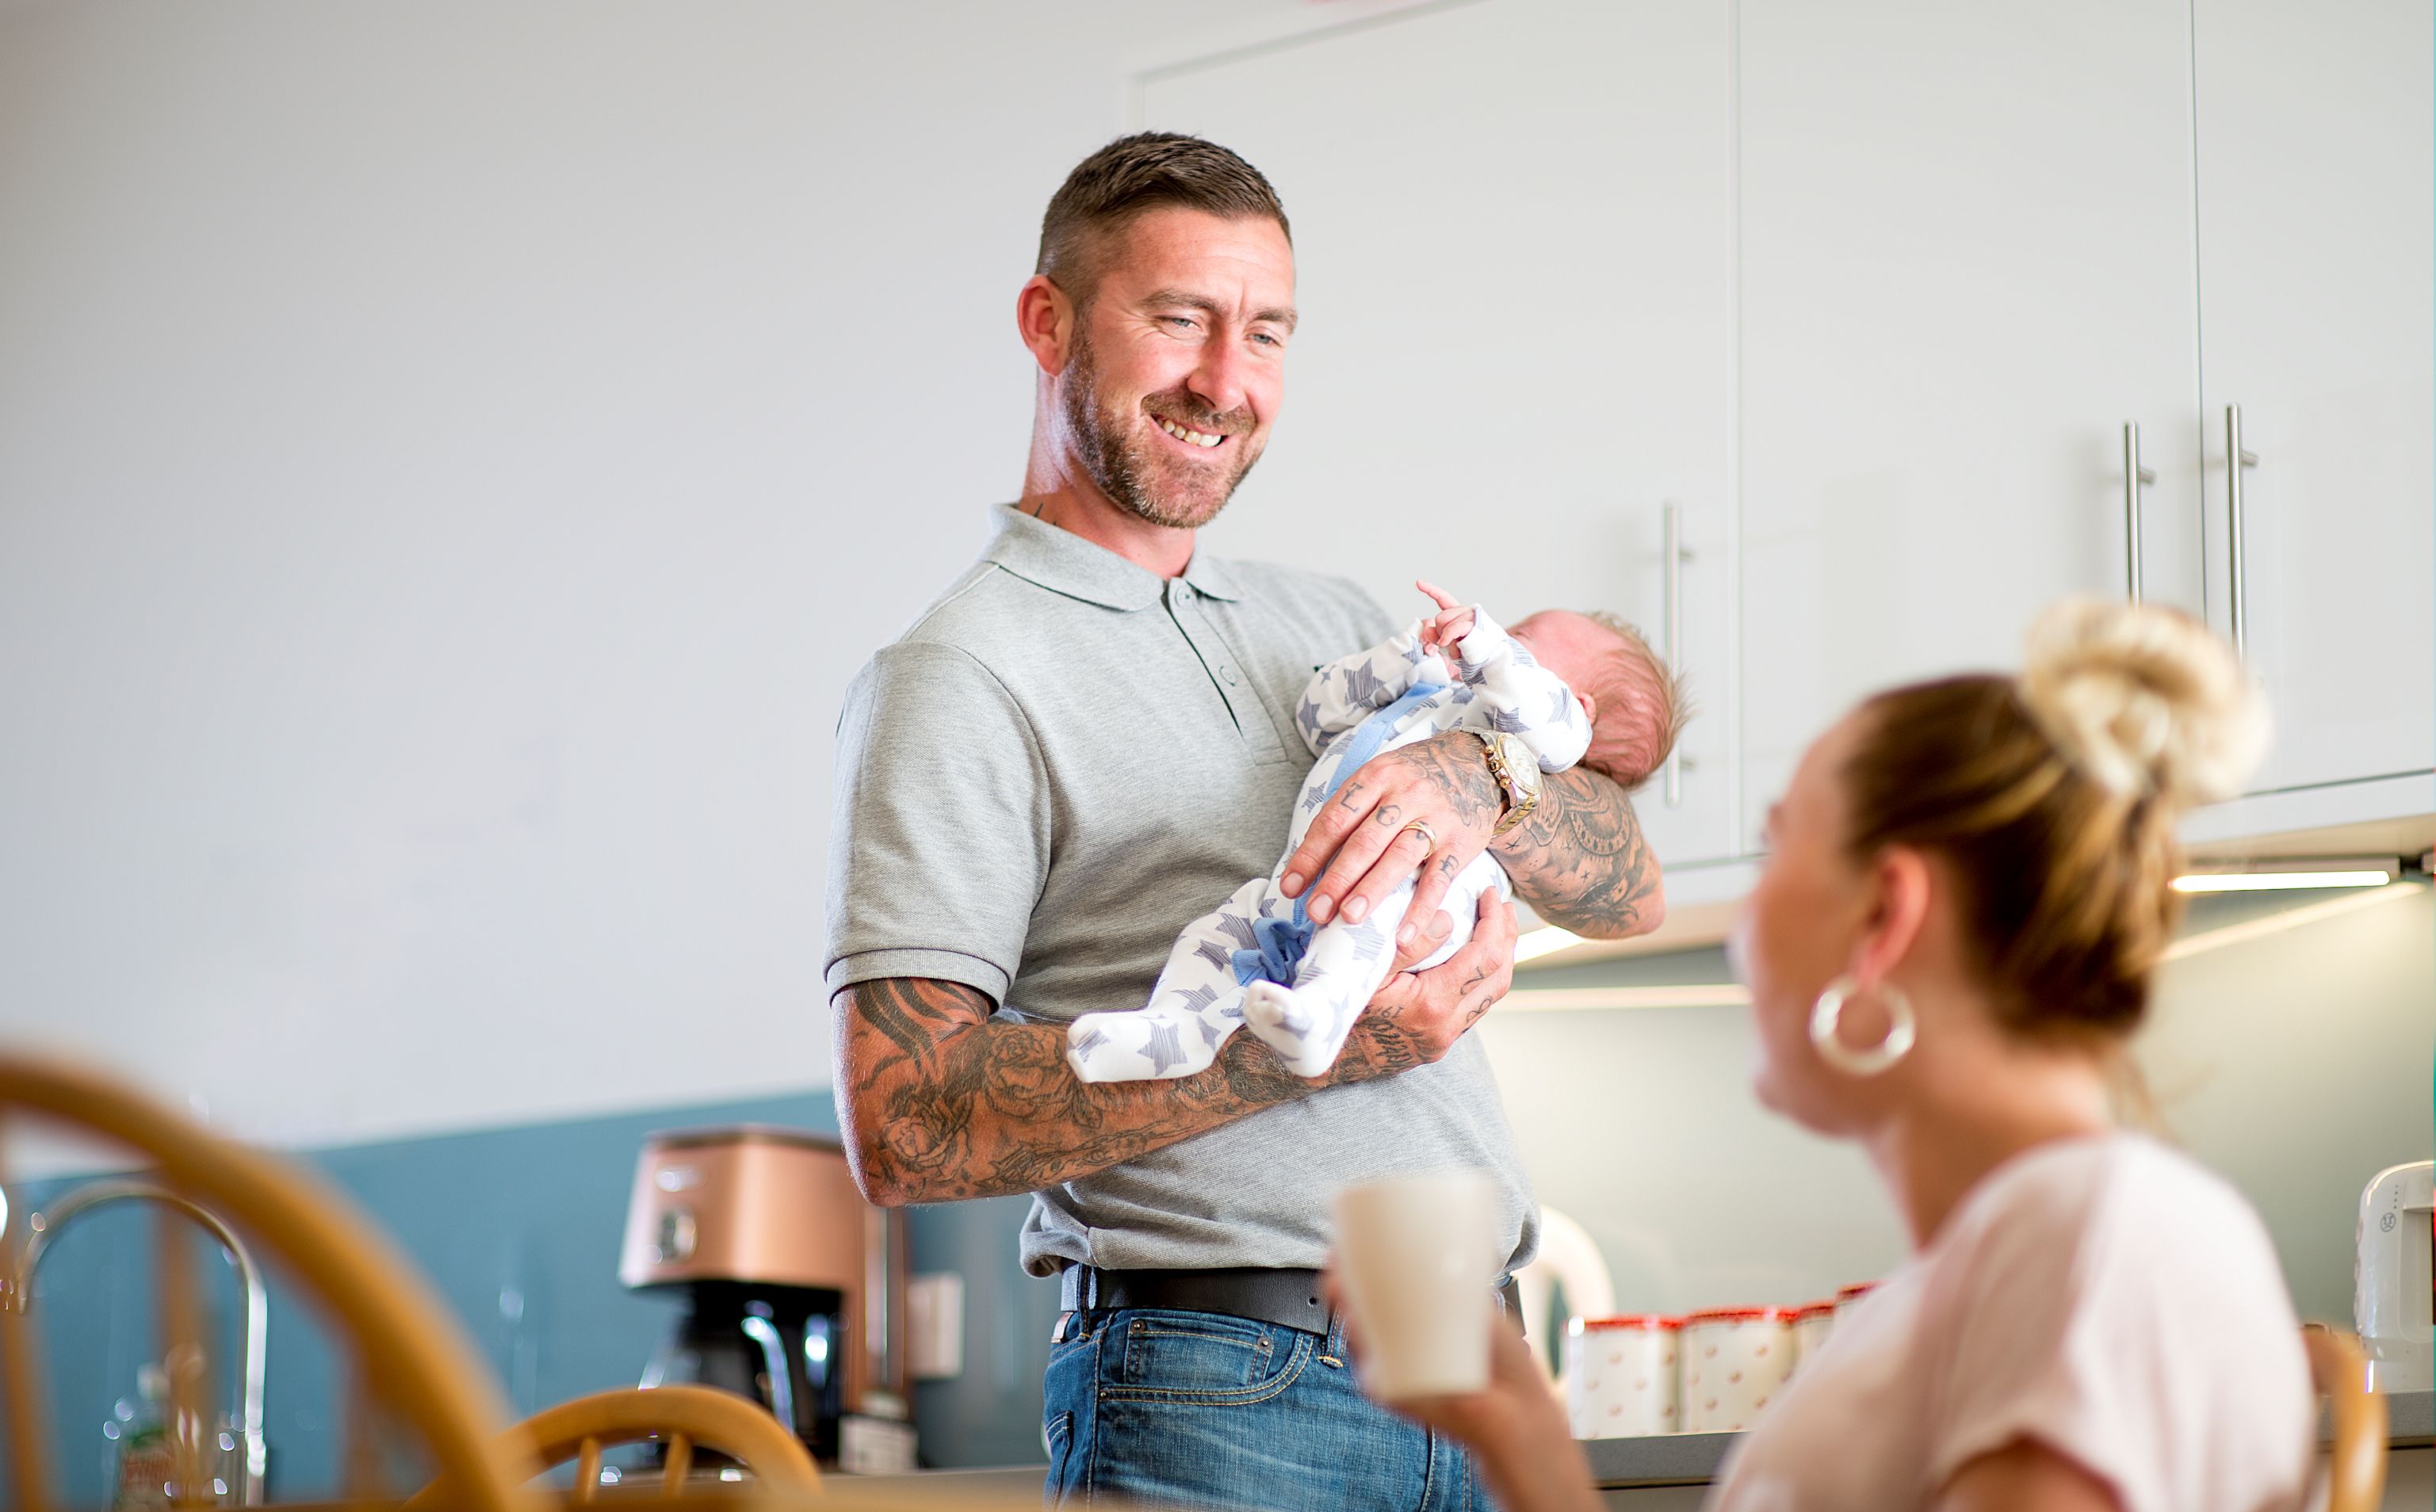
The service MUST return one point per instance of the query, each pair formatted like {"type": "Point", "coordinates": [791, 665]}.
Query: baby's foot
{"type": "Point", "coordinates": [1295, 1027]}
{"type": "Point", "coordinates": [1140, 1045]}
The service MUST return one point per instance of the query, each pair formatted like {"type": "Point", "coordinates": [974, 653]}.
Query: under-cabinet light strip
{"type": "Point", "coordinates": [1728, 994]}
{"type": "Point", "coordinates": [2277, 923]}
{"type": "Point", "coordinates": [1547, 941]}
{"type": "Point", "coordinates": [2278, 882]}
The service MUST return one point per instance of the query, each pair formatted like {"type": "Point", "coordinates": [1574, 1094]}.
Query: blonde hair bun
{"type": "Point", "coordinates": [2143, 701]}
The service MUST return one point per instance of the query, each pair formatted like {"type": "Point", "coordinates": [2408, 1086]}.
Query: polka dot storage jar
{"type": "Point", "coordinates": [1735, 1359]}
{"type": "Point", "coordinates": [1849, 1297]}
{"type": "Point", "coordinates": [1812, 1323]}
{"type": "Point", "coordinates": [1620, 1375]}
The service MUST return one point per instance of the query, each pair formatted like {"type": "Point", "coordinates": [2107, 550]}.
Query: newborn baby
{"type": "Point", "coordinates": [1570, 688]}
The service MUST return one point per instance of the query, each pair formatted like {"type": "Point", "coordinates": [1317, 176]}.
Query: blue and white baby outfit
{"type": "Point", "coordinates": [1259, 959]}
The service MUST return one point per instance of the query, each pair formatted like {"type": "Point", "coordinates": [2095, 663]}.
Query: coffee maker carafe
{"type": "Point", "coordinates": [792, 1285]}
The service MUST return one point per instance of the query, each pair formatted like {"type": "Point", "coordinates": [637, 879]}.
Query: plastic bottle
{"type": "Point", "coordinates": [146, 1460]}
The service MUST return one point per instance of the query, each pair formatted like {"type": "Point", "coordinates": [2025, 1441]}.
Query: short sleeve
{"type": "Point", "coordinates": [939, 839]}
{"type": "Point", "coordinates": [2073, 1322]}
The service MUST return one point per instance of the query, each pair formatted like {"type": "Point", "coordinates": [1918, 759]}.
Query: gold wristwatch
{"type": "Point", "coordinates": [1517, 771]}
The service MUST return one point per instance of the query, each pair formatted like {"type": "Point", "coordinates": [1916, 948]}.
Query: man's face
{"type": "Point", "coordinates": [1178, 364]}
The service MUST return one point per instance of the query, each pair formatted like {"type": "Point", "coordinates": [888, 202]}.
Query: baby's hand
{"type": "Point", "coordinates": [1452, 621]}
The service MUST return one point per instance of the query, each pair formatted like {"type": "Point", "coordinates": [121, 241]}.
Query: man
{"type": "Point", "coordinates": [1082, 745]}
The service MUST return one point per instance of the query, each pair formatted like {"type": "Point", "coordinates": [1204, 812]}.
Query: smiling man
{"type": "Point", "coordinates": [1083, 744]}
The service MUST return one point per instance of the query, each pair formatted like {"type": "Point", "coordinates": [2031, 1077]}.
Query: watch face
{"type": "Point", "coordinates": [1522, 768]}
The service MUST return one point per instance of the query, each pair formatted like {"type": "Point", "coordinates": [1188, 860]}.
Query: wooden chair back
{"type": "Point", "coordinates": [2355, 1460]}
{"type": "Point", "coordinates": [412, 1363]}
{"type": "Point", "coordinates": [685, 1417]}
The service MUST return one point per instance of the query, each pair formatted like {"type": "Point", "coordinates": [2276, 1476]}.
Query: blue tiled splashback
{"type": "Point", "coordinates": [517, 1230]}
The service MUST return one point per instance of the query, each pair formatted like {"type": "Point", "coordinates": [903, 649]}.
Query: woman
{"type": "Point", "coordinates": [1966, 895]}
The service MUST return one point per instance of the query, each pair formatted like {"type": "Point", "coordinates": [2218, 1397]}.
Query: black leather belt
{"type": "Point", "coordinates": [1289, 1299]}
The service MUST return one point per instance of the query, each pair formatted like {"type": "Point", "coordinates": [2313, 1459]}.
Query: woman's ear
{"type": "Point", "coordinates": [1044, 317]}
{"type": "Point", "coordinates": [1900, 881]}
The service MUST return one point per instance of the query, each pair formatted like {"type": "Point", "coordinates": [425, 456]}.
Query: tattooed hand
{"type": "Point", "coordinates": [1578, 859]}
{"type": "Point", "coordinates": [1361, 846]}
{"type": "Point", "coordinates": [1415, 1016]}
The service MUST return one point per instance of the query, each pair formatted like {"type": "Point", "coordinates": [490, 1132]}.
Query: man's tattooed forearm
{"type": "Point", "coordinates": [1580, 860]}
{"type": "Point", "coordinates": [939, 1101]}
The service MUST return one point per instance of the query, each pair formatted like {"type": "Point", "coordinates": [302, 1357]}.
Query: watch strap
{"type": "Point", "coordinates": [1519, 800]}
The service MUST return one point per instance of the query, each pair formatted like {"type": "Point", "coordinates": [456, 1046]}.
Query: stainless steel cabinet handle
{"type": "Point", "coordinates": [2235, 458]}
{"type": "Point", "coordinates": [1676, 556]}
{"type": "Point", "coordinates": [2135, 478]}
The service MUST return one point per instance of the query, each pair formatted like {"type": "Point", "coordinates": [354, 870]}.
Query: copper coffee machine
{"type": "Point", "coordinates": [793, 1286]}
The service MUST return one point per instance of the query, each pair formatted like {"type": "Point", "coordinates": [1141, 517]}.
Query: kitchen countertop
{"type": "Point", "coordinates": [1616, 1463]}
{"type": "Point", "coordinates": [1692, 1459]}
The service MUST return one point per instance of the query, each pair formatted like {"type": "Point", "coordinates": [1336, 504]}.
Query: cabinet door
{"type": "Point", "coordinates": [1967, 264]}
{"type": "Point", "coordinates": [1512, 230]}
{"type": "Point", "coordinates": [2315, 249]}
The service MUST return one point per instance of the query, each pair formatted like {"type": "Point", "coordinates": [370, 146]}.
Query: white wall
{"type": "Point", "coordinates": [452, 456]}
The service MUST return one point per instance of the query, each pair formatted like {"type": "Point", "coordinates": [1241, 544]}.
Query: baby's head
{"type": "Point", "coordinates": [1636, 705]}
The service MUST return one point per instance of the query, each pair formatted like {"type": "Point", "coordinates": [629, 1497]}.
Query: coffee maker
{"type": "Point", "coordinates": [793, 1286]}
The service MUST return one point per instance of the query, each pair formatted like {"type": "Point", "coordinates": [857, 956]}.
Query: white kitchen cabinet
{"type": "Point", "coordinates": [2317, 238]}
{"type": "Point", "coordinates": [1867, 294]}
{"type": "Point", "coordinates": [1512, 231]}
{"type": "Point", "coordinates": [1966, 265]}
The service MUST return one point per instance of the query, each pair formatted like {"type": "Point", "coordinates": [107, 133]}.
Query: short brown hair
{"type": "Point", "coordinates": [2055, 794]}
{"type": "Point", "coordinates": [1132, 176]}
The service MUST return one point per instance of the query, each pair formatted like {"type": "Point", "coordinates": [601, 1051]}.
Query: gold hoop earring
{"type": "Point", "coordinates": [1902, 1030]}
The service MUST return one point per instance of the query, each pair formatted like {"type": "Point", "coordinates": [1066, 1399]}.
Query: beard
{"type": "Point", "coordinates": [1140, 475]}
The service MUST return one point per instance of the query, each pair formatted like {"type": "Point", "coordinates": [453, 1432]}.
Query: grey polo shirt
{"type": "Point", "coordinates": [1066, 759]}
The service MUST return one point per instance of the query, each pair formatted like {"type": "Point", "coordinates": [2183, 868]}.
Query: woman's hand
{"type": "Point", "coordinates": [1514, 1426]}
{"type": "Point", "coordinates": [1517, 1397]}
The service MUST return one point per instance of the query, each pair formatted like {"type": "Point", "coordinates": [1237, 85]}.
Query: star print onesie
{"type": "Point", "coordinates": [1259, 959]}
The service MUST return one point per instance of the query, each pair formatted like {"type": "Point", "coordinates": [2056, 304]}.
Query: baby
{"type": "Point", "coordinates": [1570, 688]}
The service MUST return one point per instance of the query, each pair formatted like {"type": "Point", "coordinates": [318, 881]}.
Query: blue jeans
{"type": "Point", "coordinates": [1205, 1410]}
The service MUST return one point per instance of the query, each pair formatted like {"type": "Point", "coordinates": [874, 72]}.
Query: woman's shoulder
{"type": "Point", "coordinates": [2124, 1234]}
{"type": "Point", "coordinates": [2113, 1187]}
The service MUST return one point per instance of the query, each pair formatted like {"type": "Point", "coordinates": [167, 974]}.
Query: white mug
{"type": "Point", "coordinates": [1735, 1360]}
{"type": "Point", "coordinates": [1417, 1258]}
{"type": "Point", "coordinates": [1620, 1375]}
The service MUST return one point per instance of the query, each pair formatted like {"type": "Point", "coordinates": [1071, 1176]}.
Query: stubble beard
{"type": "Point", "coordinates": [1128, 471]}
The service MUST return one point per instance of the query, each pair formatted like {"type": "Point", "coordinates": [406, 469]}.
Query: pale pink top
{"type": "Point", "coordinates": [2105, 1297]}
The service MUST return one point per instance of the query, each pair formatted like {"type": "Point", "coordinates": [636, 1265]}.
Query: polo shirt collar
{"type": "Point", "coordinates": [1062, 561]}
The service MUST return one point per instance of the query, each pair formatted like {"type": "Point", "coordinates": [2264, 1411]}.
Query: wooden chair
{"type": "Point", "coordinates": [412, 1367]}
{"type": "Point", "coordinates": [685, 1416]}
{"type": "Point", "coordinates": [2356, 1459]}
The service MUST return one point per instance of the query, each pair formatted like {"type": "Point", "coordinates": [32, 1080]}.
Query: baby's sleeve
{"type": "Point", "coordinates": [1514, 693]}
{"type": "Point", "coordinates": [1347, 691]}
